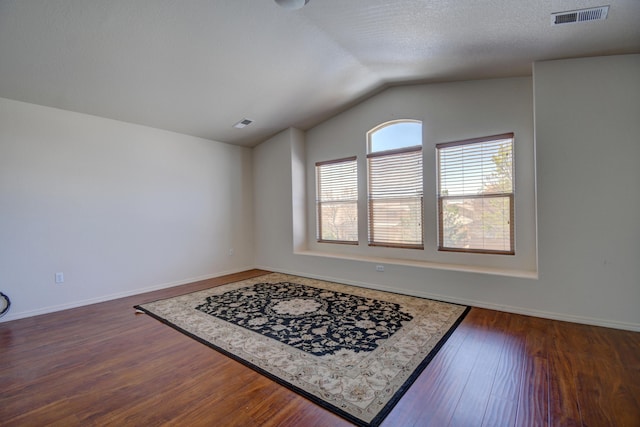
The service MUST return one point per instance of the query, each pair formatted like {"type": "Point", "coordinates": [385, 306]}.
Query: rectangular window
{"type": "Point", "coordinates": [337, 201]}
{"type": "Point", "coordinates": [395, 198]}
{"type": "Point", "coordinates": [475, 195]}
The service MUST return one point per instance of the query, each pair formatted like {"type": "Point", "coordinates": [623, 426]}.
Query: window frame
{"type": "Point", "coordinates": [319, 202]}
{"type": "Point", "coordinates": [371, 230]}
{"type": "Point", "coordinates": [511, 196]}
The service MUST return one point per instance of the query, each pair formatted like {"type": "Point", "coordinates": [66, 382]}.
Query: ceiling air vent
{"type": "Point", "coordinates": [580, 15]}
{"type": "Point", "coordinates": [243, 123]}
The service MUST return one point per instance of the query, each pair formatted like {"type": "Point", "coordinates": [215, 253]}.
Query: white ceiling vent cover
{"type": "Point", "coordinates": [243, 123]}
{"type": "Point", "coordinates": [580, 15]}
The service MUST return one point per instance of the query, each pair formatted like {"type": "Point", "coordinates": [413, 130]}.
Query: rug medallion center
{"type": "Point", "coordinates": [313, 320]}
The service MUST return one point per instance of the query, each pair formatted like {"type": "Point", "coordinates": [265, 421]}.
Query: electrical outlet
{"type": "Point", "coordinates": [379, 267]}
{"type": "Point", "coordinates": [59, 277]}
{"type": "Point", "coordinates": [231, 252]}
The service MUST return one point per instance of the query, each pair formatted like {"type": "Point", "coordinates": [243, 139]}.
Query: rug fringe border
{"type": "Point", "coordinates": [417, 372]}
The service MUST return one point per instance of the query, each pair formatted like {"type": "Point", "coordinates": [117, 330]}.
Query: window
{"type": "Point", "coordinates": [395, 201]}
{"type": "Point", "coordinates": [475, 195]}
{"type": "Point", "coordinates": [337, 201]}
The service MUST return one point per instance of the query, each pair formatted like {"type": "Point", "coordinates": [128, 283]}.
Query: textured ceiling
{"type": "Point", "coordinates": [197, 67]}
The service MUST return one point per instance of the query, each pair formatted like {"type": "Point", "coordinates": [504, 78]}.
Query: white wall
{"type": "Point", "coordinates": [118, 208]}
{"type": "Point", "coordinates": [588, 240]}
{"type": "Point", "coordinates": [588, 138]}
{"type": "Point", "coordinates": [448, 112]}
{"type": "Point", "coordinates": [121, 208]}
{"type": "Point", "coordinates": [274, 205]}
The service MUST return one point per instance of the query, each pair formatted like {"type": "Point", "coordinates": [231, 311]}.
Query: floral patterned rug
{"type": "Point", "coordinates": [353, 350]}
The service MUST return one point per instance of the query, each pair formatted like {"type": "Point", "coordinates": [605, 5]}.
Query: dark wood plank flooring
{"type": "Point", "coordinates": [104, 365]}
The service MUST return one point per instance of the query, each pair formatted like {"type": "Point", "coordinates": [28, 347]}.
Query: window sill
{"type": "Point", "coordinates": [522, 274]}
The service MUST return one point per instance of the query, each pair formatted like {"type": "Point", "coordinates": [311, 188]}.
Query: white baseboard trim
{"type": "Point", "coordinates": [474, 303]}
{"type": "Point", "coordinates": [635, 327]}
{"type": "Point", "coordinates": [52, 309]}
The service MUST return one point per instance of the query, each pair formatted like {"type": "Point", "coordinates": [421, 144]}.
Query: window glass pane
{"type": "Point", "coordinates": [396, 135]}
{"type": "Point", "coordinates": [339, 221]}
{"type": "Point", "coordinates": [477, 223]}
{"type": "Point", "coordinates": [337, 201]}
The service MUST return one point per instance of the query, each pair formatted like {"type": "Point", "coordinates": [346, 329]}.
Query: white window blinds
{"type": "Point", "coordinates": [396, 198]}
{"type": "Point", "coordinates": [476, 195]}
{"type": "Point", "coordinates": [337, 201]}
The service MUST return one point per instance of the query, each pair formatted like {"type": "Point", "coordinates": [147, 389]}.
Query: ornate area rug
{"type": "Point", "coordinates": [352, 350]}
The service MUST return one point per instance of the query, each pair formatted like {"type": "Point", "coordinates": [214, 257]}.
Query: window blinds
{"type": "Point", "coordinates": [337, 201]}
{"type": "Point", "coordinates": [476, 195]}
{"type": "Point", "coordinates": [395, 198]}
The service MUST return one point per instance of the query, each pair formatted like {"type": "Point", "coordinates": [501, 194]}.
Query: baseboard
{"type": "Point", "coordinates": [51, 309]}
{"type": "Point", "coordinates": [474, 303]}
{"type": "Point", "coordinates": [635, 327]}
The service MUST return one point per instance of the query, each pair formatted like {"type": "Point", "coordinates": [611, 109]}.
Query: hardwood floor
{"type": "Point", "coordinates": [104, 365]}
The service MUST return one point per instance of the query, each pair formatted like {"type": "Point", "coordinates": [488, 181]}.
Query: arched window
{"type": "Point", "coordinates": [395, 193]}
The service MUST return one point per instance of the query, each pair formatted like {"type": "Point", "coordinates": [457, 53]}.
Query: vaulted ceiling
{"type": "Point", "coordinates": [199, 66]}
